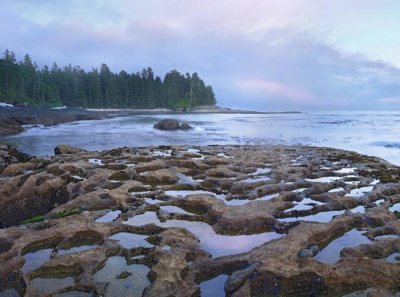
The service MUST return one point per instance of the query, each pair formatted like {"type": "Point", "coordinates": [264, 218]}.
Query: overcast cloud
{"type": "Point", "coordinates": [257, 54]}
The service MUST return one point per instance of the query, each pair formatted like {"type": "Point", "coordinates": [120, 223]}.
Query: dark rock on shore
{"type": "Point", "coordinates": [171, 125]}
{"type": "Point", "coordinates": [12, 119]}
{"type": "Point", "coordinates": [9, 155]}
{"type": "Point", "coordinates": [9, 127]}
{"type": "Point", "coordinates": [237, 279]}
{"type": "Point", "coordinates": [65, 149]}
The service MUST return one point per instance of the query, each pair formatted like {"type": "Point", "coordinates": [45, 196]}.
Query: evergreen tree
{"type": "Point", "coordinates": [24, 82]}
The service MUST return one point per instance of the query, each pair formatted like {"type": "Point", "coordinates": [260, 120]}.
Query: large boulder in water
{"type": "Point", "coordinates": [185, 126]}
{"type": "Point", "coordinates": [171, 125]}
{"type": "Point", "coordinates": [167, 124]}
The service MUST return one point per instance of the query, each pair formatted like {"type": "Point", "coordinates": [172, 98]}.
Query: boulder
{"type": "Point", "coordinates": [65, 149]}
{"type": "Point", "coordinates": [161, 176]}
{"type": "Point", "coordinates": [185, 126]}
{"type": "Point", "coordinates": [167, 124]}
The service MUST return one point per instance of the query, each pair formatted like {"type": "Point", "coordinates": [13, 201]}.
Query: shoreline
{"type": "Point", "coordinates": [193, 213]}
{"type": "Point", "coordinates": [13, 119]}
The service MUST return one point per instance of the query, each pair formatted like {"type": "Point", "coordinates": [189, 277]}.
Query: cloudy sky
{"type": "Point", "coordinates": [257, 54]}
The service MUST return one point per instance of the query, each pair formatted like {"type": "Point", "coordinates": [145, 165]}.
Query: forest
{"type": "Point", "coordinates": [24, 83]}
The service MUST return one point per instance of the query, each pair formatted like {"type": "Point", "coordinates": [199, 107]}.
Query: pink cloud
{"type": "Point", "coordinates": [389, 100]}
{"type": "Point", "coordinates": [276, 88]}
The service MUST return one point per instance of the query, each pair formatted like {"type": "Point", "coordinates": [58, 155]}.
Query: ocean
{"type": "Point", "coordinates": [367, 132]}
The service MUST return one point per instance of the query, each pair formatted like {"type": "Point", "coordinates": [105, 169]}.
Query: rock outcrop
{"type": "Point", "coordinates": [65, 149]}
{"type": "Point", "coordinates": [164, 220]}
{"type": "Point", "coordinates": [9, 155]}
{"type": "Point", "coordinates": [171, 125]}
{"type": "Point", "coordinates": [185, 126]}
{"type": "Point", "coordinates": [167, 124]}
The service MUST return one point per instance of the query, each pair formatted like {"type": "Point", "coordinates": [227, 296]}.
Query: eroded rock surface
{"type": "Point", "coordinates": [161, 221]}
{"type": "Point", "coordinates": [64, 149]}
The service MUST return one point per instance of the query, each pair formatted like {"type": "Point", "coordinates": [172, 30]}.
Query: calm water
{"type": "Point", "coordinates": [372, 133]}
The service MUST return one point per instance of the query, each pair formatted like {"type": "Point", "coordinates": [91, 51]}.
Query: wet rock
{"type": "Point", "coordinates": [9, 155]}
{"type": "Point", "coordinates": [31, 199]}
{"type": "Point", "coordinates": [303, 284]}
{"type": "Point", "coordinates": [220, 171]}
{"type": "Point", "coordinates": [150, 166]}
{"type": "Point", "coordinates": [18, 168]}
{"type": "Point", "coordinates": [167, 124]}
{"type": "Point", "coordinates": [305, 253]}
{"type": "Point", "coordinates": [309, 252]}
{"type": "Point", "coordinates": [68, 194]}
{"type": "Point", "coordinates": [5, 245]}
{"type": "Point", "coordinates": [215, 161]}
{"type": "Point", "coordinates": [65, 149]}
{"type": "Point", "coordinates": [237, 279]}
{"type": "Point", "coordinates": [55, 170]}
{"type": "Point", "coordinates": [314, 249]}
{"type": "Point", "coordinates": [371, 292]}
{"type": "Point", "coordinates": [9, 127]}
{"type": "Point", "coordinates": [120, 176]}
{"type": "Point", "coordinates": [116, 166]}
{"type": "Point", "coordinates": [162, 176]}
{"type": "Point", "coordinates": [185, 126]}
{"type": "Point", "coordinates": [124, 274]}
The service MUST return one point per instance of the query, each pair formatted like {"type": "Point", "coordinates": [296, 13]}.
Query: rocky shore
{"type": "Point", "coordinates": [184, 221]}
{"type": "Point", "coordinates": [13, 119]}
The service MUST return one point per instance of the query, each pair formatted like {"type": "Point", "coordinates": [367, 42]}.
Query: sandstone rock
{"type": "Point", "coordinates": [161, 176]}
{"type": "Point", "coordinates": [18, 168]}
{"type": "Point", "coordinates": [221, 171]}
{"type": "Point", "coordinates": [120, 176]}
{"type": "Point", "coordinates": [150, 166]}
{"type": "Point", "coordinates": [36, 196]}
{"type": "Point", "coordinates": [9, 155]}
{"type": "Point", "coordinates": [65, 149]}
{"type": "Point", "coordinates": [70, 194]}
{"type": "Point", "coordinates": [215, 161]}
{"type": "Point", "coordinates": [116, 166]}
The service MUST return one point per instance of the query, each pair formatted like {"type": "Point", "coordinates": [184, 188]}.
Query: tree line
{"type": "Point", "coordinates": [23, 82]}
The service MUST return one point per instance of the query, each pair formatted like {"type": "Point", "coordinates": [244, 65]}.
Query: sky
{"type": "Point", "coordinates": [267, 55]}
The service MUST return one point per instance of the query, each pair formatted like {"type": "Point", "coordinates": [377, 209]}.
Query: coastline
{"type": "Point", "coordinates": [13, 119]}
{"type": "Point", "coordinates": [193, 213]}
